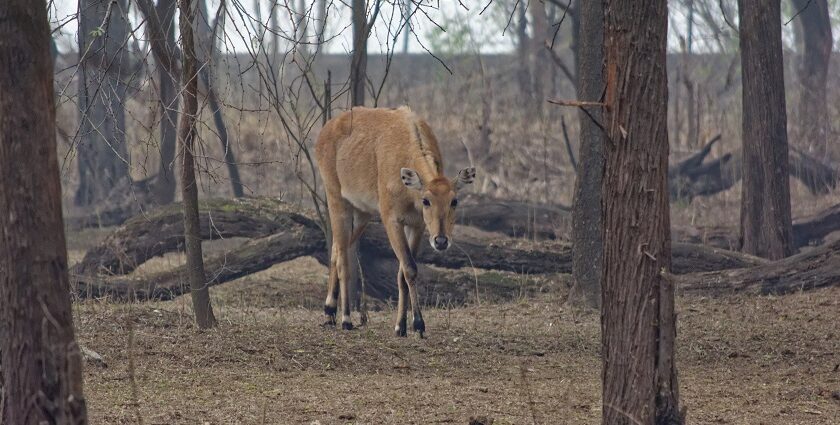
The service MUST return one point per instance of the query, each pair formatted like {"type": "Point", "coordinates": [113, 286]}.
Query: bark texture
{"type": "Point", "coordinates": [102, 155]}
{"type": "Point", "coordinates": [765, 198]}
{"type": "Point", "coordinates": [815, 30]}
{"type": "Point", "coordinates": [204, 317]}
{"type": "Point", "coordinates": [358, 63]}
{"type": "Point", "coordinates": [638, 324]}
{"type": "Point", "coordinates": [41, 363]}
{"type": "Point", "coordinates": [586, 215]}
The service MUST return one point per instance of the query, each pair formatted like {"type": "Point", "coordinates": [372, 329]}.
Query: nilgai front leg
{"type": "Point", "coordinates": [408, 270]}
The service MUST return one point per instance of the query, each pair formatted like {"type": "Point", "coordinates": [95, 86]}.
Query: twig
{"type": "Point", "coordinates": [798, 13]}
{"type": "Point", "coordinates": [577, 103]}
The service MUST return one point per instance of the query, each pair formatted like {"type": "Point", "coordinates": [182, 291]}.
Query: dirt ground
{"type": "Point", "coordinates": [742, 360]}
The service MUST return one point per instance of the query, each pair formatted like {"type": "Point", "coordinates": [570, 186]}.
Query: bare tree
{"type": "Point", "coordinates": [815, 31]}
{"type": "Point", "coordinates": [41, 363]}
{"type": "Point", "coordinates": [189, 186]}
{"type": "Point", "coordinates": [586, 215]}
{"type": "Point", "coordinates": [766, 228]}
{"type": "Point", "coordinates": [638, 324]}
{"type": "Point", "coordinates": [165, 184]}
{"type": "Point", "coordinates": [206, 41]}
{"type": "Point", "coordinates": [101, 149]}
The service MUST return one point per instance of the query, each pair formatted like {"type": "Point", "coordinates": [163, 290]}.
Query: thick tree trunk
{"type": "Point", "coordinates": [102, 155]}
{"type": "Point", "coordinates": [189, 186]}
{"type": "Point", "coordinates": [41, 363]}
{"type": "Point", "coordinates": [815, 29]}
{"type": "Point", "coordinates": [638, 324]}
{"type": "Point", "coordinates": [765, 198]}
{"type": "Point", "coordinates": [165, 183]}
{"type": "Point", "coordinates": [586, 215]}
{"type": "Point", "coordinates": [358, 63]}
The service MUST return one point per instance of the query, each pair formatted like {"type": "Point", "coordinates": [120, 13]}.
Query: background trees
{"type": "Point", "coordinates": [41, 363]}
{"type": "Point", "coordinates": [270, 74]}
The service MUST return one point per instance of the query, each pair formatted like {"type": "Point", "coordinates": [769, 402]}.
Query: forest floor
{"type": "Point", "coordinates": [741, 360]}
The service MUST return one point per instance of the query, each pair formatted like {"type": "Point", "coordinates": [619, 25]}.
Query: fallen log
{"type": "Point", "coordinates": [820, 178]}
{"type": "Point", "coordinates": [694, 177]}
{"type": "Point", "coordinates": [513, 218]}
{"type": "Point", "coordinates": [810, 230]}
{"type": "Point", "coordinates": [814, 269]}
{"type": "Point", "coordinates": [161, 231]}
{"type": "Point", "coordinates": [253, 256]}
{"type": "Point", "coordinates": [507, 217]}
{"type": "Point", "coordinates": [293, 235]}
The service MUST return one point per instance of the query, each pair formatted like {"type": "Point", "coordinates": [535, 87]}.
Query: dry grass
{"type": "Point", "coordinates": [756, 360]}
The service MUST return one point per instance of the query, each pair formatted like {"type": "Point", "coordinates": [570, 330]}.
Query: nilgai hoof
{"type": "Point", "coordinates": [400, 329]}
{"type": "Point", "coordinates": [419, 326]}
{"type": "Point", "coordinates": [347, 326]}
{"type": "Point", "coordinates": [330, 313]}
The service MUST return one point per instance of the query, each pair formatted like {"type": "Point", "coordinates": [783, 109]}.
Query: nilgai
{"type": "Point", "coordinates": [386, 161]}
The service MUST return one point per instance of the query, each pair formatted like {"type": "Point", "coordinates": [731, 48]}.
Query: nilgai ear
{"type": "Point", "coordinates": [465, 177]}
{"type": "Point", "coordinates": [411, 179]}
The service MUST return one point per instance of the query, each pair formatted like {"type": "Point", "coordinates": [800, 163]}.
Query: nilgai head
{"type": "Point", "coordinates": [438, 199]}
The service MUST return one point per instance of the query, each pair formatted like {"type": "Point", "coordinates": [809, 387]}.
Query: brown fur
{"type": "Point", "coordinates": [368, 158]}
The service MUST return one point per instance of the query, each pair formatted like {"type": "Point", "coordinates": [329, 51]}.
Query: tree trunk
{"type": "Point", "coordinates": [539, 53]}
{"type": "Point", "coordinates": [765, 198]}
{"type": "Point", "coordinates": [522, 48]}
{"type": "Point", "coordinates": [273, 11]}
{"type": "Point", "coordinates": [207, 46]}
{"type": "Point", "coordinates": [815, 28]}
{"type": "Point", "coordinates": [358, 63]}
{"type": "Point", "coordinates": [576, 15]}
{"type": "Point", "coordinates": [301, 29]}
{"type": "Point", "coordinates": [321, 26]}
{"type": "Point", "coordinates": [41, 363]}
{"type": "Point", "coordinates": [638, 324]}
{"type": "Point", "coordinates": [165, 182]}
{"type": "Point", "coordinates": [407, 29]}
{"type": "Point", "coordinates": [102, 155]}
{"type": "Point", "coordinates": [189, 186]}
{"type": "Point", "coordinates": [586, 213]}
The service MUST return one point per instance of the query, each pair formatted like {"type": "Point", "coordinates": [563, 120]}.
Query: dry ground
{"type": "Point", "coordinates": [742, 360]}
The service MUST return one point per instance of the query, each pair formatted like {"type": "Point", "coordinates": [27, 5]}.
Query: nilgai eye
{"type": "Point", "coordinates": [426, 202]}
{"type": "Point", "coordinates": [454, 203]}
